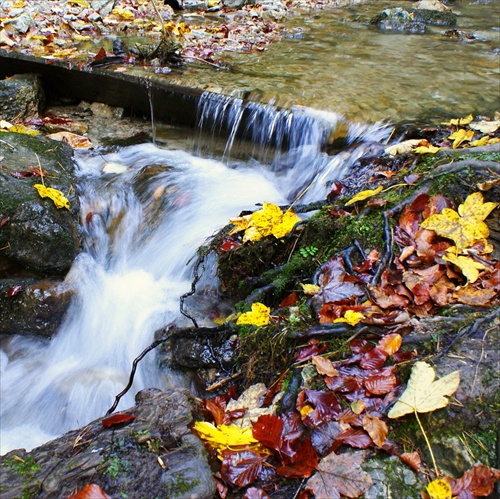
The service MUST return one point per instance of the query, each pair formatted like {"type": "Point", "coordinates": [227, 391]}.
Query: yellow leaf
{"type": "Point", "coordinates": [306, 410]}
{"type": "Point", "coordinates": [360, 196]}
{"type": "Point", "coordinates": [240, 223]}
{"type": "Point", "coordinates": [461, 136]}
{"type": "Point", "coordinates": [460, 121]}
{"type": "Point", "coordinates": [358, 407]}
{"type": "Point", "coordinates": [212, 3]}
{"type": "Point", "coordinates": [494, 140]}
{"type": "Point", "coordinates": [224, 436]}
{"type": "Point", "coordinates": [286, 225]}
{"type": "Point", "coordinates": [430, 149]}
{"type": "Point", "coordinates": [402, 147]}
{"type": "Point", "coordinates": [480, 142]}
{"type": "Point", "coordinates": [5, 125]}
{"type": "Point", "coordinates": [469, 267]}
{"type": "Point", "coordinates": [259, 316]}
{"type": "Point", "coordinates": [352, 318]}
{"type": "Point", "coordinates": [123, 13]}
{"type": "Point", "coordinates": [310, 289]}
{"type": "Point", "coordinates": [465, 227]}
{"type": "Point", "coordinates": [423, 394]}
{"type": "Point", "coordinates": [57, 196]}
{"type": "Point", "coordinates": [22, 129]}
{"type": "Point", "coordinates": [439, 489]}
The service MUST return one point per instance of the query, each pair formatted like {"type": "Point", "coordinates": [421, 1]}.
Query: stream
{"type": "Point", "coordinates": [146, 208]}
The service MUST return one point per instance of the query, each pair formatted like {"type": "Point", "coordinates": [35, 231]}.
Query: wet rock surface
{"type": "Point", "coordinates": [21, 97]}
{"type": "Point", "coordinates": [35, 236]}
{"type": "Point", "coordinates": [154, 455]}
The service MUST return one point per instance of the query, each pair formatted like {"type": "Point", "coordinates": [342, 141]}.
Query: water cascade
{"type": "Point", "coordinates": [143, 226]}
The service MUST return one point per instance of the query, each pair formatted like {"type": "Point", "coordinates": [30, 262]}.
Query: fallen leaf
{"type": "Point", "coordinates": [259, 316]}
{"type": "Point", "coordinates": [470, 268]}
{"type": "Point", "coordinates": [324, 366]}
{"type": "Point", "coordinates": [478, 481]}
{"type": "Point", "coordinates": [390, 343]}
{"type": "Point", "coordinates": [57, 196]}
{"type": "Point", "coordinates": [361, 196]}
{"type": "Point", "coordinates": [468, 295]}
{"type": "Point", "coordinates": [465, 227]}
{"type": "Point", "coordinates": [90, 491]}
{"type": "Point", "coordinates": [117, 419]}
{"type": "Point", "coordinates": [439, 489]}
{"type": "Point", "coordinates": [22, 129]}
{"type": "Point", "coordinates": [326, 406]}
{"type": "Point", "coordinates": [14, 290]}
{"type": "Point", "coordinates": [74, 140]}
{"type": "Point", "coordinates": [430, 149]}
{"type": "Point", "coordinates": [403, 147]}
{"type": "Point", "coordinates": [381, 382]}
{"type": "Point", "coordinates": [241, 468]}
{"type": "Point", "coordinates": [423, 394]}
{"type": "Point", "coordinates": [351, 317]}
{"type": "Point", "coordinates": [461, 136]}
{"type": "Point", "coordinates": [340, 476]}
{"type": "Point", "coordinates": [310, 289]}
{"type": "Point", "coordinates": [255, 493]}
{"type": "Point", "coordinates": [485, 126]}
{"type": "Point", "coordinates": [412, 459]}
{"type": "Point", "coordinates": [460, 121]}
{"type": "Point", "coordinates": [376, 428]}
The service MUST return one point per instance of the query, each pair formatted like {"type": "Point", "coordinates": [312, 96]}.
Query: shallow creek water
{"type": "Point", "coordinates": [335, 60]}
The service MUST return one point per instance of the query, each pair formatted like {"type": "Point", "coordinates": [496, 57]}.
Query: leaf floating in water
{"type": "Point", "coordinates": [117, 419]}
{"type": "Point", "coordinates": [74, 140]}
{"type": "Point", "coordinates": [57, 196]}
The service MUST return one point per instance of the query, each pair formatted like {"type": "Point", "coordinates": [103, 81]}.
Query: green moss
{"type": "Point", "coordinates": [179, 485]}
{"type": "Point", "coordinates": [27, 469]}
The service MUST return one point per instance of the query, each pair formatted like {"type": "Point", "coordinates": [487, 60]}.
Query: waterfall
{"type": "Point", "coordinates": [142, 227]}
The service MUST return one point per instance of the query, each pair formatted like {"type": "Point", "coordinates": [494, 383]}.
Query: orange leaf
{"type": "Point", "coordinates": [474, 297]}
{"type": "Point", "coordinates": [117, 419]}
{"type": "Point", "coordinates": [324, 366]}
{"type": "Point", "coordinates": [390, 343]}
{"type": "Point", "coordinates": [90, 491]}
{"type": "Point", "coordinates": [376, 428]}
{"type": "Point", "coordinates": [412, 459]}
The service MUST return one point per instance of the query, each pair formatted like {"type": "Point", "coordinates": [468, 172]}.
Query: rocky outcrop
{"type": "Point", "coordinates": [153, 455]}
{"type": "Point", "coordinates": [21, 97]}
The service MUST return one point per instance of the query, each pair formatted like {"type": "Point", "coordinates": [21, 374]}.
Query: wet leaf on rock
{"type": "Point", "coordinates": [339, 476]}
{"type": "Point", "coordinates": [241, 468]}
{"type": "Point", "coordinates": [90, 491]}
{"type": "Point", "coordinates": [117, 419]}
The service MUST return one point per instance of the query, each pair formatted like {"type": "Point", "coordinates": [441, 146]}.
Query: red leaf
{"type": "Point", "coordinates": [215, 410]}
{"type": "Point", "coordinates": [326, 406]}
{"type": "Point", "coordinates": [268, 431]}
{"type": "Point", "coordinates": [90, 491]}
{"type": "Point", "coordinates": [241, 468]}
{"type": "Point", "coordinates": [360, 346]}
{"type": "Point", "coordinates": [14, 290]}
{"type": "Point", "coordinates": [403, 356]}
{"type": "Point", "coordinates": [222, 488]}
{"type": "Point", "coordinates": [302, 463]}
{"type": "Point", "coordinates": [4, 221]}
{"type": "Point", "coordinates": [381, 382]}
{"type": "Point", "coordinates": [355, 438]}
{"type": "Point", "coordinates": [255, 493]}
{"type": "Point", "coordinates": [117, 419]}
{"type": "Point", "coordinates": [100, 54]}
{"type": "Point", "coordinates": [344, 384]}
{"type": "Point", "coordinates": [478, 481]}
{"type": "Point", "coordinates": [290, 300]}
{"type": "Point", "coordinates": [229, 244]}
{"type": "Point", "coordinates": [374, 359]}
{"type": "Point", "coordinates": [337, 188]}
{"type": "Point", "coordinates": [310, 351]}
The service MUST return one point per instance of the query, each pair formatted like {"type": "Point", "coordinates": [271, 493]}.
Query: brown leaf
{"type": "Point", "coordinates": [412, 459]}
{"type": "Point", "coordinates": [255, 493]}
{"type": "Point", "coordinates": [376, 428]}
{"type": "Point", "coordinates": [290, 300]}
{"type": "Point", "coordinates": [334, 283]}
{"type": "Point", "coordinates": [360, 346]}
{"type": "Point", "coordinates": [374, 359]}
{"type": "Point", "coordinates": [326, 406]}
{"type": "Point", "coordinates": [478, 481]}
{"type": "Point", "coordinates": [344, 384]}
{"type": "Point", "coordinates": [355, 438]}
{"type": "Point", "coordinates": [387, 297]}
{"type": "Point", "coordinates": [474, 297]}
{"type": "Point", "coordinates": [324, 366]}
{"type": "Point", "coordinates": [340, 475]}
{"type": "Point", "coordinates": [117, 419]}
{"type": "Point", "coordinates": [381, 382]}
{"type": "Point", "coordinates": [241, 468]}
{"type": "Point", "coordinates": [90, 491]}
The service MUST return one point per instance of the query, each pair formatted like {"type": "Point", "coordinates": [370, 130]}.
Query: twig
{"type": "Point", "coordinates": [196, 278]}
{"type": "Point", "coordinates": [7, 144]}
{"type": "Point", "coordinates": [134, 368]}
{"type": "Point", "coordinates": [387, 253]}
{"type": "Point", "coordinates": [223, 382]}
{"type": "Point", "coordinates": [428, 443]}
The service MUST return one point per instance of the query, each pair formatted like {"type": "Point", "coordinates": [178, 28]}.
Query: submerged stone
{"type": "Point", "coordinates": [398, 19]}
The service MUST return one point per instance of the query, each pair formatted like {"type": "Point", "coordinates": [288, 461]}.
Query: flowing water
{"type": "Point", "coordinates": [142, 228]}
{"type": "Point", "coordinates": [144, 222]}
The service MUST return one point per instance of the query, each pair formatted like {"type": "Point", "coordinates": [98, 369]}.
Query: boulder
{"type": "Point", "coordinates": [37, 239]}
{"type": "Point", "coordinates": [153, 455]}
{"type": "Point", "coordinates": [398, 19]}
{"type": "Point", "coordinates": [21, 97]}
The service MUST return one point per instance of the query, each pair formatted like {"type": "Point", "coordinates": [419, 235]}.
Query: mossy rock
{"type": "Point", "coordinates": [36, 238]}
{"type": "Point", "coordinates": [435, 17]}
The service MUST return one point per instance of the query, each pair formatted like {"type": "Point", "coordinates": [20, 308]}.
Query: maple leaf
{"type": "Point", "coordinates": [340, 476]}
{"type": "Point", "coordinates": [351, 317]}
{"type": "Point", "coordinates": [224, 436]}
{"type": "Point", "coordinates": [361, 196]}
{"type": "Point", "coordinates": [465, 227]}
{"type": "Point", "coordinates": [469, 267]}
{"type": "Point", "coordinates": [423, 394]}
{"type": "Point", "coordinates": [461, 136]}
{"type": "Point", "coordinates": [57, 196]}
{"type": "Point", "coordinates": [259, 316]}
{"type": "Point", "coordinates": [439, 489]}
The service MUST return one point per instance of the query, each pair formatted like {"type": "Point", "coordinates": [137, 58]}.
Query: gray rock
{"type": "Point", "coordinates": [22, 23]}
{"type": "Point", "coordinates": [397, 19]}
{"type": "Point", "coordinates": [21, 97]}
{"type": "Point", "coordinates": [155, 455]}
{"type": "Point", "coordinates": [237, 4]}
{"type": "Point", "coordinates": [103, 6]}
{"type": "Point", "coordinates": [37, 239]}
